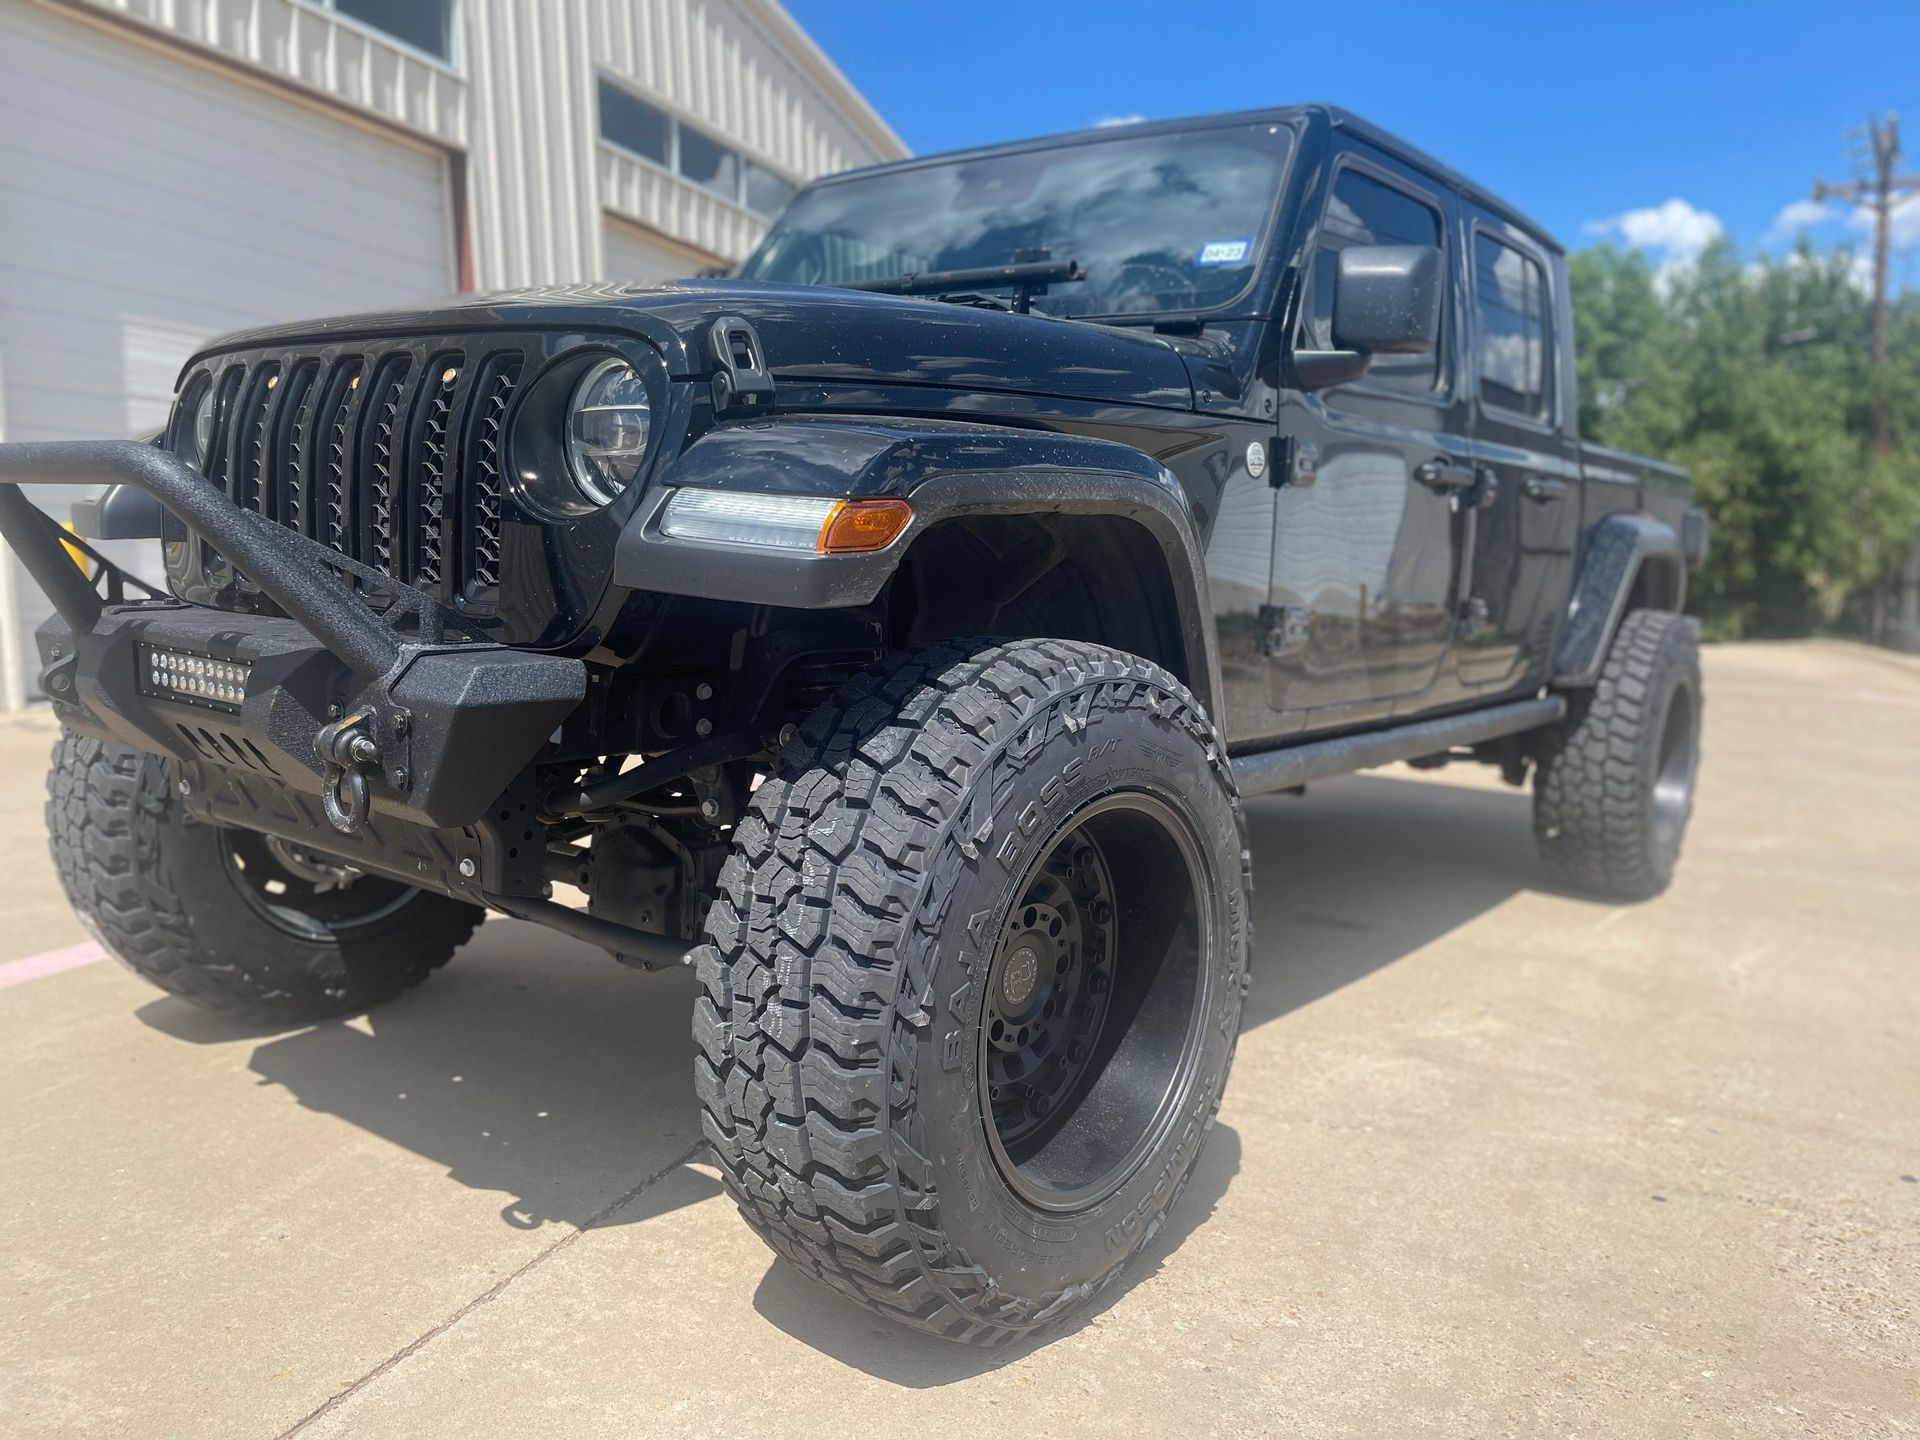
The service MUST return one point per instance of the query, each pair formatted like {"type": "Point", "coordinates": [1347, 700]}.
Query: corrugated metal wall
{"type": "Point", "coordinates": [738, 69]}
{"type": "Point", "coordinates": [521, 101]}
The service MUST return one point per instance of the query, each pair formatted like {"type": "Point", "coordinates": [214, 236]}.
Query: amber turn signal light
{"type": "Point", "coordinates": [856, 526]}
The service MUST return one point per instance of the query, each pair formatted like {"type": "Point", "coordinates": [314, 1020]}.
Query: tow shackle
{"type": "Point", "coordinates": [346, 752]}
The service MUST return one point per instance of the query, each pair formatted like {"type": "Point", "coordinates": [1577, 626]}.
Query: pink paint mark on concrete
{"type": "Point", "coordinates": [52, 962]}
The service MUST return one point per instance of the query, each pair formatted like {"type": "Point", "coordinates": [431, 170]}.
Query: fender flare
{"type": "Point", "coordinates": [1619, 550]}
{"type": "Point", "coordinates": [946, 470]}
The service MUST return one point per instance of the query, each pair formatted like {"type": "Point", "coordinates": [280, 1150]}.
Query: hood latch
{"type": "Point", "coordinates": [740, 378]}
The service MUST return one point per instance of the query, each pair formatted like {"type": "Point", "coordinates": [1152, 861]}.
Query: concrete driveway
{"type": "Point", "coordinates": [1494, 1161]}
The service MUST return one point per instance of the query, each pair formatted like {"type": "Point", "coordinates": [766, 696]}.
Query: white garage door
{"type": "Point", "coordinates": [148, 202]}
{"type": "Point", "coordinates": [644, 258]}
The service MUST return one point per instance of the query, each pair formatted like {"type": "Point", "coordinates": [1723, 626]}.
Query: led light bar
{"type": "Point", "coordinates": [194, 679]}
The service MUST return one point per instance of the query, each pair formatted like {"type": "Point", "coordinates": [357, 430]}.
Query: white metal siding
{"type": "Point", "coordinates": [150, 201]}
{"type": "Point", "coordinates": [739, 69]}
{"type": "Point", "coordinates": [635, 255]}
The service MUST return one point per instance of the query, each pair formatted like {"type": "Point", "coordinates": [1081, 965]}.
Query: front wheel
{"type": "Point", "coordinates": [975, 981]}
{"type": "Point", "coordinates": [230, 920]}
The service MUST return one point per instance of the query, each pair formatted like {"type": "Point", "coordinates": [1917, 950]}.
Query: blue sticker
{"type": "Point", "coordinates": [1224, 252]}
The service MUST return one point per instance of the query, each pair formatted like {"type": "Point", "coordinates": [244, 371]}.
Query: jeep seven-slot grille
{"type": "Point", "coordinates": [390, 454]}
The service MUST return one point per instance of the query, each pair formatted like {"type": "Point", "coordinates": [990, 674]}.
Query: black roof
{"type": "Point", "coordinates": [1334, 115]}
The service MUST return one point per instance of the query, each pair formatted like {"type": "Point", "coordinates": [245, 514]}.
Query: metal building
{"type": "Point", "coordinates": [172, 169]}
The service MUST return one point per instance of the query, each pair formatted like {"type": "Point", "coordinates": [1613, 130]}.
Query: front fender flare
{"type": "Point", "coordinates": [945, 470]}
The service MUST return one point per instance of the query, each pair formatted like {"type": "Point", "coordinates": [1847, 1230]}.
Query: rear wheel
{"type": "Point", "coordinates": [233, 921]}
{"type": "Point", "coordinates": [975, 980]}
{"type": "Point", "coordinates": [1614, 788]}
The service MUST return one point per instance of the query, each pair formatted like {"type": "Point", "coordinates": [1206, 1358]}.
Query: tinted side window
{"type": "Point", "coordinates": [1510, 301]}
{"type": "Point", "coordinates": [1365, 211]}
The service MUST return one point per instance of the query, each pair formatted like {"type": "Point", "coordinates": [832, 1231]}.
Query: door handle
{"type": "Point", "coordinates": [1446, 475]}
{"type": "Point", "coordinates": [1541, 490]}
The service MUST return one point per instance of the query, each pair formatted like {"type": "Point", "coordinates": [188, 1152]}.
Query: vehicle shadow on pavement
{"type": "Point", "coordinates": [1362, 871]}
{"type": "Point", "coordinates": [535, 1067]}
{"type": "Point", "coordinates": [531, 1066]}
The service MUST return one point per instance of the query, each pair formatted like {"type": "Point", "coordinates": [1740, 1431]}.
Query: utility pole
{"type": "Point", "coordinates": [1881, 189]}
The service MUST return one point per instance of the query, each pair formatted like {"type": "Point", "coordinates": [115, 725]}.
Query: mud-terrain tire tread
{"type": "Point", "coordinates": [110, 813]}
{"type": "Point", "coordinates": [806, 1009]}
{"type": "Point", "coordinates": [1593, 785]}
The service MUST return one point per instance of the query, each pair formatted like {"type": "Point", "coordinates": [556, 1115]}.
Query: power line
{"type": "Point", "coordinates": [1881, 189]}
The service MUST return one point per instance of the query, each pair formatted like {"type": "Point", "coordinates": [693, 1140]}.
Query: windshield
{"type": "Point", "coordinates": [1166, 222]}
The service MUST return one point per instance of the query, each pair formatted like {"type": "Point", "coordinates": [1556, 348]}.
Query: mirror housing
{"type": "Point", "coordinates": [1387, 299]}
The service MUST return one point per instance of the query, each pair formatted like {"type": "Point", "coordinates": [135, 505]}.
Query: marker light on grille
{"type": "Point", "coordinates": [199, 679]}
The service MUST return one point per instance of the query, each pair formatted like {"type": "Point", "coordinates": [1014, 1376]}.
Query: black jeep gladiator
{"type": "Point", "coordinates": [891, 632]}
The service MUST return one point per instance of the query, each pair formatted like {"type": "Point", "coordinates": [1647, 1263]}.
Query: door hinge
{"type": "Point", "coordinates": [1295, 462]}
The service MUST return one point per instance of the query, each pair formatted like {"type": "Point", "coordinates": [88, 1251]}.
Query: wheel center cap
{"type": "Point", "coordinates": [1021, 972]}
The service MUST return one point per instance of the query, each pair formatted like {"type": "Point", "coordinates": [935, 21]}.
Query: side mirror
{"type": "Point", "coordinates": [1386, 301]}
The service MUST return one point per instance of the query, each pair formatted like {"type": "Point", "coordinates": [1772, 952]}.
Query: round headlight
{"type": "Point", "coordinates": [195, 439]}
{"type": "Point", "coordinates": [607, 426]}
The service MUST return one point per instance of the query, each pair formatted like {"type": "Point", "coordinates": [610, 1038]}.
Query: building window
{"type": "Point", "coordinates": [709, 163]}
{"type": "Point", "coordinates": [631, 124]}
{"type": "Point", "coordinates": [634, 125]}
{"type": "Point", "coordinates": [425, 25]}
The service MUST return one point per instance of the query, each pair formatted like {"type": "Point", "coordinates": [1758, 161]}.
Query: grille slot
{"type": "Point", "coordinates": [384, 429]}
{"type": "Point", "coordinates": [431, 468]}
{"type": "Point", "coordinates": [251, 431]}
{"type": "Point", "coordinates": [390, 452]}
{"type": "Point", "coordinates": [480, 566]}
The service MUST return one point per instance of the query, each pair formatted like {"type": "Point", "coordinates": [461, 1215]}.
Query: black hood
{"type": "Point", "coordinates": [813, 334]}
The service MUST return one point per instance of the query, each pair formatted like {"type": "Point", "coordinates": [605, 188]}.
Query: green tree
{"type": "Point", "coordinates": [1756, 378]}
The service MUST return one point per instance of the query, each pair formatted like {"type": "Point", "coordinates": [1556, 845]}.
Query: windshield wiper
{"type": "Point", "coordinates": [1026, 280]}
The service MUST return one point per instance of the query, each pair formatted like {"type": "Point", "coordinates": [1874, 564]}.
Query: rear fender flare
{"type": "Point", "coordinates": [946, 470]}
{"type": "Point", "coordinates": [1624, 553]}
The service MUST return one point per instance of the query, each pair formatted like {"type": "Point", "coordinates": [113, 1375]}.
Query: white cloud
{"type": "Point", "coordinates": [1676, 231]}
{"type": "Point", "coordinates": [1903, 225]}
{"type": "Point", "coordinates": [1107, 121]}
{"type": "Point", "coordinates": [1797, 216]}
{"type": "Point", "coordinates": [1673, 234]}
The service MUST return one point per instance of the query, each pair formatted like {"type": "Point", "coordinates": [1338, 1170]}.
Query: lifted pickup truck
{"type": "Point", "coordinates": [891, 632]}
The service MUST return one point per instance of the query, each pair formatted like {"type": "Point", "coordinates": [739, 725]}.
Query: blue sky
{"type": "Point", "coordinates": [1593, 118]}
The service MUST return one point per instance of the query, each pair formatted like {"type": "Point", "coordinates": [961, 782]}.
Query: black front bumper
{"type": "Point", "coordinates": [451, 727]}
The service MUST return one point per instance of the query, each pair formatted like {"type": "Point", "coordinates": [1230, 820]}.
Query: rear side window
{"type": "Point", "coordinates": [1510, 300]}
{"type": "Point", "coordinates": [1366, 211]}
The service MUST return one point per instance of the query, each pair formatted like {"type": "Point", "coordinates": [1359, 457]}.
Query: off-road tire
{"type": "Point", "coordinates": [1604, 823]}
{"type": "Point", "coordinates": [150, 883]}
{"type": "Point", "coordinates": [839, 1009]}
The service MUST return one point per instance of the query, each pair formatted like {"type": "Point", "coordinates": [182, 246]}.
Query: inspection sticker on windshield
{"type": "Point", "coordinates": [1224, 252]}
